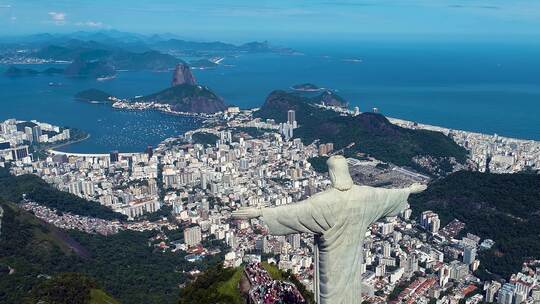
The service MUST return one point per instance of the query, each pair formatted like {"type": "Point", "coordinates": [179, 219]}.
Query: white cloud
{"type": "Point", "coordinates": [5, 6]}
{"type": "Point", "coordinates": [58, 18]}
{"type": "Point", "coordinates": [90, 24]}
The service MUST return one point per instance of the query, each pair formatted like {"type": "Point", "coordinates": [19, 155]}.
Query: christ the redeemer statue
{"type": "Point", "coordinates": [339, 218]}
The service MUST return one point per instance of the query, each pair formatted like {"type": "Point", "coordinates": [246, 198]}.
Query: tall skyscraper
{"type": "Point", "coordinates": [36, 133]}
{"type": "Point", "coordinates": [491, 291]}
{"type": "Point", "coordinates": [430, 221]}
{"type": "Point", "coordinates": [244, 164]}
{"type": "Point", "coordinates": [506, 294]}
{"type": "Point", "coordinates": [152, 186]}
{"type": "Point", "coordinates": [150, 151]}
{"type": "Point", "coordinates": [294, 240]}
{"type": "Point", "coordinates": [114, 156]}
{"type": "Point", "coordinates": [469, 255]}
{"type": "Point", "coordinates": [192, 236]}
{"type": "Point", "coordinates": [291, 117]}
{"type": "Point", "coordinates": [322, 150]}
{"type": "Point", "coordinates": [387, 249]}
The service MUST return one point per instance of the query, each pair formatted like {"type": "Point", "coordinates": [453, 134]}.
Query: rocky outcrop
{"type": "Point", "coordinates": [330, 98]}
{"type": "Point", "coordinates": [182, 75]}
{"type": "Point", "coordinates": [185, 95]}
{"type": "Point", "coordinates": [187, 98]}
{"type": "Point", "coordinates": [306, 87]}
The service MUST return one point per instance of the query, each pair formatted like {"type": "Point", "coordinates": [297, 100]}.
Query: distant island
{"type": "Point", "coordinates": [306, 87]}
{"type": "Point", "coordinates": [13, 71]}
{"type": "Point", "coordinates": [78, 68]}
{"type": "Point", "coordinates": [185, 95]}
{"type": "Point", "coordinates": [203, 64]}
{"type": "Point", "coordinates": [93, 96]}
{"type": "Point", "coordinates": [187, 98]}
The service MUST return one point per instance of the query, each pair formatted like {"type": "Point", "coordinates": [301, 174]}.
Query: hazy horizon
{"type": "Point", "coordinates": [282, 21]}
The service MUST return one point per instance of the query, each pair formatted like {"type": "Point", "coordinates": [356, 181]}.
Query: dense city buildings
{"type": "Point", "coordinates": [16, 137]}
{"type": "Point", "coordinates": [490, 153]}
{"type": "Point", "coordinates": [195, 186]}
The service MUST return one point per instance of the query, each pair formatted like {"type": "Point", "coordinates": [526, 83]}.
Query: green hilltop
{"type": "Point", "coordinates": [367, 133]}
{"type": "Point", "coordinates": [187, 98]}
{"type": "Point", "coordinates": [220, 285]}
{"type": "Point", "coordinates": [69, 288]}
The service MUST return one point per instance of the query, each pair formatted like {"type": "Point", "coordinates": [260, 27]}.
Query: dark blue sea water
{"type": "Point", "coordinates": [491, 88]}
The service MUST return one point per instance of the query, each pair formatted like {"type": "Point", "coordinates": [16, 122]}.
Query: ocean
{"type": "Point", "coordinates": [482, 87]}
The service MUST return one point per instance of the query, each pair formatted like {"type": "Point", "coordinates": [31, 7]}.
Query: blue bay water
{"type": "Point", "coordinates": [110, 129]}
{"type": "Point", "coordinates": [490, 88]}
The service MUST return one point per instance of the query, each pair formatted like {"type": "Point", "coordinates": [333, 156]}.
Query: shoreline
{"type": "Point", "coordinates": [445, 130]}
{"type": "Point", "coordinates": [69, 143]}
{"type": "Point", "coordinates": [455, 134]}
{"type": "Point", "coordinates": [203, 117]}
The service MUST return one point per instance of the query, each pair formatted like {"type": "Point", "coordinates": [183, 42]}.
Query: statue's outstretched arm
{"type": "Point", "coordinates": [391, 202]}
{"type": "Point", "coordinates": [303, 217]}
{"type": "Point", "coordinates": [298, 217]}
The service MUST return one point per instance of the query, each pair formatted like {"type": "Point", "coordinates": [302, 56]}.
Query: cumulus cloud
{"type": "Point", "coordinates": [58, 18]}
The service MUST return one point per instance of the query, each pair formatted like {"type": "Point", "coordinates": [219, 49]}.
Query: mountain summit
{"type": "Point", "coordinates": [182, 75]}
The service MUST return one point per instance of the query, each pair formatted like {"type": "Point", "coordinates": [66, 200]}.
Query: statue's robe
{"type": "Point", "coordinates": [339, 219]}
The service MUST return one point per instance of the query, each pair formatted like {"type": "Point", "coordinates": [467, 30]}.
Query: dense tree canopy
{"type": "Point", "coordinates": [502, 207]}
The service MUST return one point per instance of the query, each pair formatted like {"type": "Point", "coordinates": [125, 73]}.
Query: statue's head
{"type": "Point", "coordinates": [339, 173]}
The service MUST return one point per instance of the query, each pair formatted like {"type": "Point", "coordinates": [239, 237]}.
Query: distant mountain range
{"type": "Point", "coordinates": [101, 54]}
{"type": "Point", "coordinates": [138, 42]}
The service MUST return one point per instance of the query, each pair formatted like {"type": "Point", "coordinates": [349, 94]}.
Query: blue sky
{"type": "Point", "coordinates": [237, 20]}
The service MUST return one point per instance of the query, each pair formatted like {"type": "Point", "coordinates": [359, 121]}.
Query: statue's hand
{"type": "Point", "coordinates": [417, 188]}
{"type": "Point", "coordinates": [246, 213]}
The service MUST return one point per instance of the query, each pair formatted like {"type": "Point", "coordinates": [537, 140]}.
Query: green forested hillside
{"type": "Point", "coordinates": [12, 189]}
{"type": "Point", "coordinates": [367, 133]}
{"type": "Point", "coordinates": [503, 207]}
{"type": "Point", "coordinates": [28, 249]}
{"type": "Point", "coordinates": [125, 265]}
{"type": "Point", "coordinates": [69, 288]}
